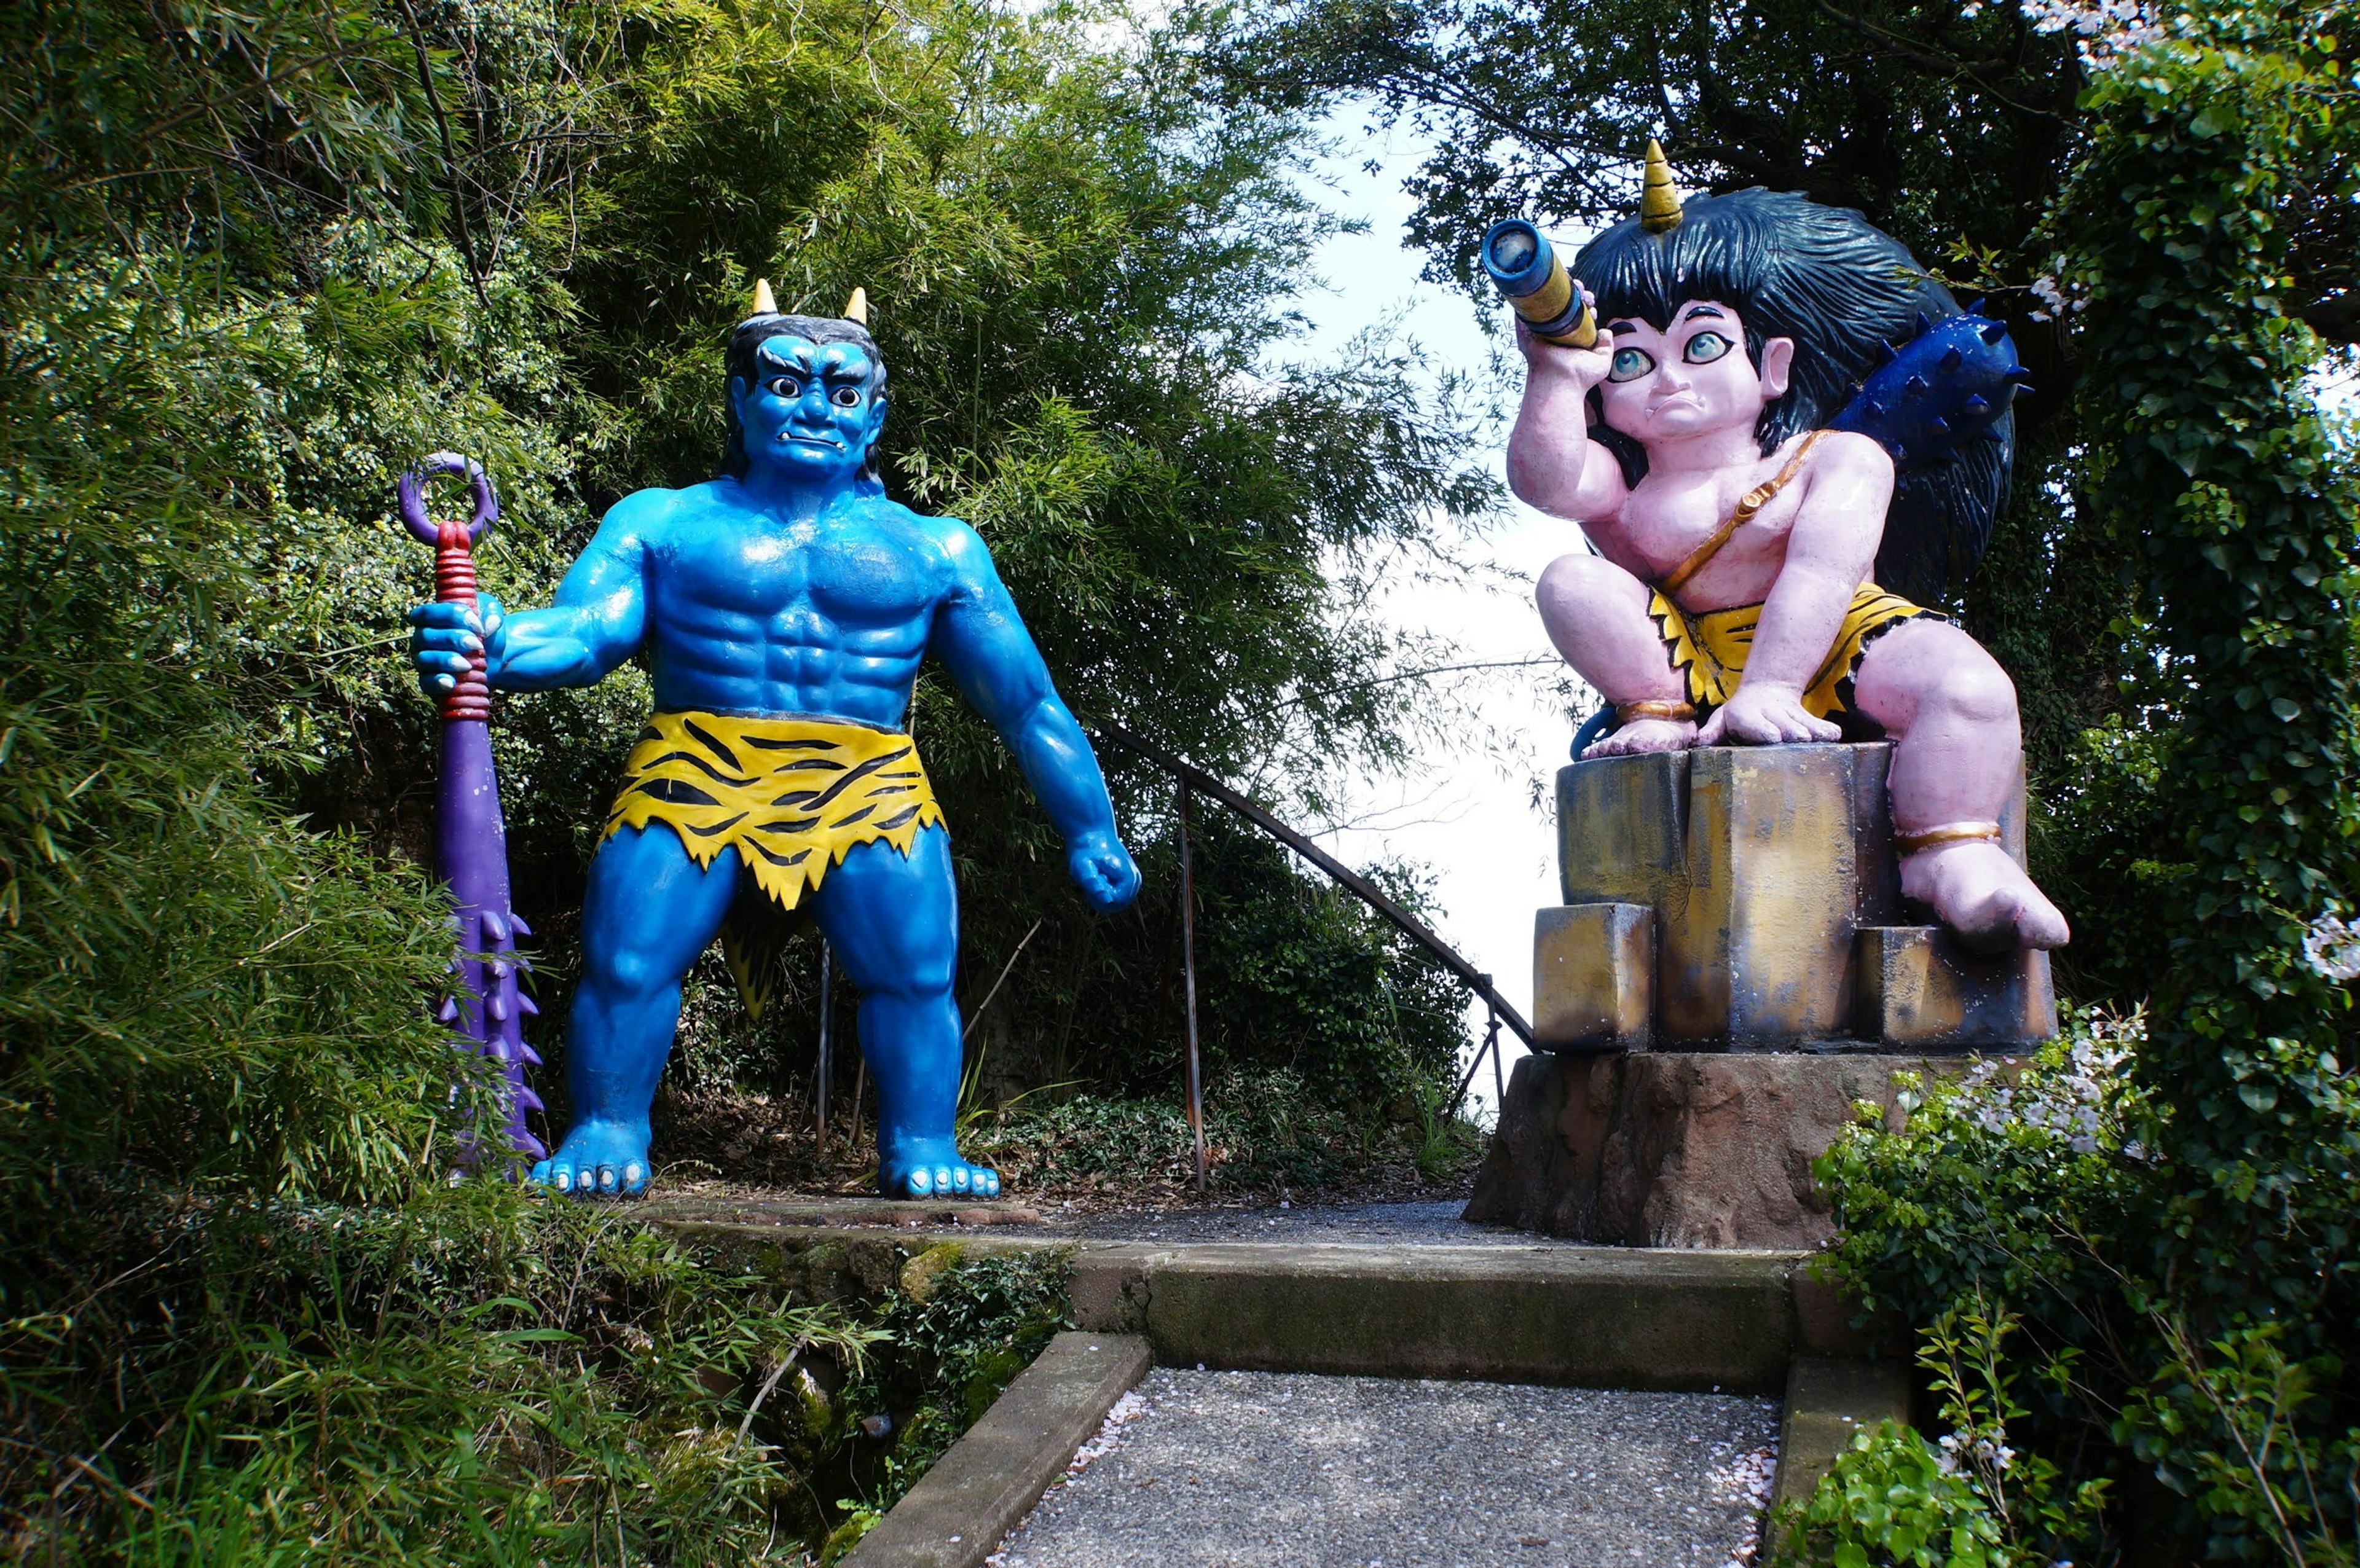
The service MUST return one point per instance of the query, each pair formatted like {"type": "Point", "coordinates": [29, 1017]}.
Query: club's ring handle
{"type": "Point", "coordinates": [411, 491]}
{"type": "Point", "coordinates": [470, 698]}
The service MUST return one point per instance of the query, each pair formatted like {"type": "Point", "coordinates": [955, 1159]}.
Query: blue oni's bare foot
{"type": "Point", "coordinates": [599, 1159]}
{"type": "Point", "coordinates": [931, 1168]}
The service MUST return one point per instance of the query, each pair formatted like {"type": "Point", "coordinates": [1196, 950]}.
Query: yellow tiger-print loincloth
{"type": "Point", "coordinates": [1708, 647]}
{"type": "Point", "coordinates": [793, 796]}
{"type": "Point", "coordinates": [790, 795]}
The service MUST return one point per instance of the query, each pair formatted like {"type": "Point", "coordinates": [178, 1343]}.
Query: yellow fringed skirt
{"type": "Point", "coordinates": [1708, 649]}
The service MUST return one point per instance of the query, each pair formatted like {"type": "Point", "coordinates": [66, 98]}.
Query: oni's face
{"type": "Point", "coordinates": [813, 411]}
{"type": "Point", "coordinates": [1694, 378]}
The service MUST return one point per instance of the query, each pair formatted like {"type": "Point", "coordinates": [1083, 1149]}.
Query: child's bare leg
{"type": "Point", "coordinates": [1597, 615]}
{"type": "Point", "coordinates": [1957, 750]}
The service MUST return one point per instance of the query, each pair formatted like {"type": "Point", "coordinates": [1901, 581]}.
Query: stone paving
{"type": "Point", "coordinates": [1391, 1225]}
{"type": "Point", "coordinates": [1270, 1470]}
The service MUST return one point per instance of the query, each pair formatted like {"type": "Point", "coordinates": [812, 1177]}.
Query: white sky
{"type": "Point", "coordinates": [1468, 810]}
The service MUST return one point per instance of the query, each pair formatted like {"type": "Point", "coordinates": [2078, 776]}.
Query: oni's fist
{"type": "Point", "coordinates": [444, 639]}
{"type": "Point", "coordinates": [1102, 869]}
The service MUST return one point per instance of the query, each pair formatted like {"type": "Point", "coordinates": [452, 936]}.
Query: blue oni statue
{"type": "Point", "coordinates": [783, 608]}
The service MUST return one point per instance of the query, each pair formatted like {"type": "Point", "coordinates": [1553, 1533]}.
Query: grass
{"type": "Point", "coordinates": [479, 1376]}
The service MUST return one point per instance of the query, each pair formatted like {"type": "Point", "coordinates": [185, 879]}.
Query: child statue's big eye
{"type": "Point", "coordinates": [1705, 347]}
{"type": "Point", "coordinates": [1630, 364]}
{"type": "Point", "coordinates": [847, 396]}
{"type": "Point", "coordinates": [785, 386]}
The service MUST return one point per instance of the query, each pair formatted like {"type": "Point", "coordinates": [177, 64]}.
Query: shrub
{"type": "Point", "coordinates": [1973, 1499]}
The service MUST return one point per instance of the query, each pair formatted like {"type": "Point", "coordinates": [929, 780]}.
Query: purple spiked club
{"type": "Point", "coordinates": [485, 1007]}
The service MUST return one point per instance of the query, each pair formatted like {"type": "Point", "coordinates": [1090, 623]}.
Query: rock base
{"type": "Point", "coordinates": [1695, 1149]}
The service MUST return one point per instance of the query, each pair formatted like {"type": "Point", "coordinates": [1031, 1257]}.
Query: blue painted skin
{"type": "Point", "coordinates": [796, 590]}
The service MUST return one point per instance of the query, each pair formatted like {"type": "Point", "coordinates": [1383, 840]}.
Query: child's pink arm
{"type": "Point", "coordinates": [1552, 463]}
{"type": "Point", "coordinates": [1847, 483]}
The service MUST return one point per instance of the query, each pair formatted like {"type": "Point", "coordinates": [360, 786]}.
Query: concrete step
{"type": "Point", "coordinates": [1646, 1322]}
{"type": "Point", "coordinates": [1597, 1317]}
{"type": "Point", "coordinates": [1217, 1469]}
{"type": "Point", "coordinates": [1556, 1313]}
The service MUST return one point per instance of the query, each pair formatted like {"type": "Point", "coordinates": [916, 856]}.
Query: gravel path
{"type": "Point", "coordinates": [1271, 1470]}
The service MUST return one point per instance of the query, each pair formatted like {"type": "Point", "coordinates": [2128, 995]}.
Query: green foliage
{"type": "Point", "coordinates": [254, 260]}
{"type": "Point", "coordinates": [477, 1376]}
{"type": "Point", "coordinates": [2102, 843]}
{"type": "Point", "coordinates": [195, 994]}
{"type": "Point", "coordinates": [1998, 1184]}
{"type": "Point", "coordinates": [2033, 1187]}
{"type": "Point", "coordinates": [1298, 975]}
{"type": "Point", "coordinates": [1968, 1501]}
{"type": "Point", "coordinates": [2216, 461]}
{"type": "Point", "coordinates": [1888, 1500]}
{"type": "Point", "coordinates": [2236, 1427]}
{"type": "Point", "coordinates": [1273, 1130]}
{"type": "Point", "coordinates": [2171, 1221]}
{"type": "Point", "coordinates": [960, 1335]}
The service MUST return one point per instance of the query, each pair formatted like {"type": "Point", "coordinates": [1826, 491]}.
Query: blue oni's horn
{"type": "Point", "coordinates": [1526, 265]}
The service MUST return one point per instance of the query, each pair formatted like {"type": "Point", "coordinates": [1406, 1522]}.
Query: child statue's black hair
{"type": "Point", "coordinates": [1843, 291]}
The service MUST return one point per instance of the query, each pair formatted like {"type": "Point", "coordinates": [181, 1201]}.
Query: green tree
{"type": "Point", "coordinates": [2217, 467]}
{"type": "Point", "coordinates": [1953, 126]}
{"type": "Point", "coordinates": [256, 260]}
{"type": "Point", "coordinates": [2174, 1222]}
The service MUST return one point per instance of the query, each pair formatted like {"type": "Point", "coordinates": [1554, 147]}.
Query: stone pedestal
{"type": "Point", "coordinates": [1688, 1148]}
{"type": "Point", "coordinates": [1732, 970]}
{"type": "Point", "coordinates": [1768, 877]}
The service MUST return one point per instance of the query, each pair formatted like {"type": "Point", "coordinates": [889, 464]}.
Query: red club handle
{"type": "Point", "coordinates": [454, 583]}
{"type": "Point", "coordinates": [455, 562]}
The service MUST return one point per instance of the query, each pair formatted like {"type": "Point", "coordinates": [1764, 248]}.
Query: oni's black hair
{"type": "Point", "coordinates": [750, 335]}
{"type": "Point", "coordinates": [1843, 290]}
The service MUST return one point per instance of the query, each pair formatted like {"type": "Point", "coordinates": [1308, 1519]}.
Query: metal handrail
{"type": "Point", "coordinates": [1193, 779]}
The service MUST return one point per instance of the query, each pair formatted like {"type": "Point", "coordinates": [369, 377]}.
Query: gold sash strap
{"type": "Point", "coordinates": [1752, 503]}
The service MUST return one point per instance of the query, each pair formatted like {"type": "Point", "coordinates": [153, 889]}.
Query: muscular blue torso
{"type": "Point", "coordinates": [831, 616]}
{"type": "Point", "coordinates": [750, 600]}
{"type": "Point", "coordinates": [742, 609]}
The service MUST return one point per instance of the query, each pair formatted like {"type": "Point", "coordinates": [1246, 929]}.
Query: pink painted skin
{"type": "Point", "coordinates": [1692, 397]}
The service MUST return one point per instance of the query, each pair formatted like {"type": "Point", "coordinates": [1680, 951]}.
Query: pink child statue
{"type": "Point", "coordinates": [1733, 597]}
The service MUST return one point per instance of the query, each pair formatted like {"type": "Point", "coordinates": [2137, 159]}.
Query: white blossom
{"type": "Point", "coordinates": [2066, 1108]}
{"type": "Point", "coordinates": [2103, 30]}
{"type": "Point", "coordinates": [2332, 948]}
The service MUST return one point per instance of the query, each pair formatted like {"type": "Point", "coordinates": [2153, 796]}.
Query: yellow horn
{"type": "Point", "coordinates": [765, 302]}
{"type": "Point", "coordinates": [857, 307]}
{"type": "Point", "coordinates": [1660, 199]}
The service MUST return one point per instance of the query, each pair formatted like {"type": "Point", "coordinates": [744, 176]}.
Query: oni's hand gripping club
{"type": "Point", "coordinates": [484, 1006]}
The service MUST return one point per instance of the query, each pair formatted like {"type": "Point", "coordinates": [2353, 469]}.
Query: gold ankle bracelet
{"type": "Point", "coordinates": [1949, 832]}
{"type": "Point", "coordinates": [1626, 712]}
